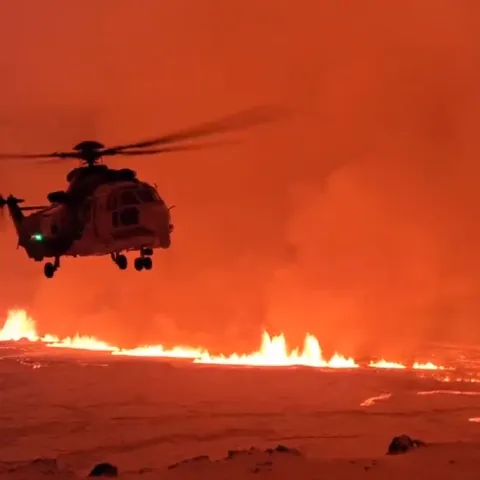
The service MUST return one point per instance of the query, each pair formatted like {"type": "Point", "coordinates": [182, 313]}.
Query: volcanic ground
{"type": "Point", "coordinates": [145, 414]}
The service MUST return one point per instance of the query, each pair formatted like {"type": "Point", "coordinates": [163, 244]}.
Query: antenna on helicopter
{"type": "Point", "coordinates": [90, 152]}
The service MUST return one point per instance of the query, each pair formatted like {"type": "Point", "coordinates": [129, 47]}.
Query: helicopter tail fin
{"type": "Point", "coordinates": [14, 210]}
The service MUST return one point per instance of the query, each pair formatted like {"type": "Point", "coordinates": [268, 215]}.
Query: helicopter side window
{"type": "Point", "coordinates": [128, 198]}
{"type": "Point", "coordinates": [129, 216]}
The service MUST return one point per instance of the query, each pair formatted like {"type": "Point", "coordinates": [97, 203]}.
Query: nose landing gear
{"type": "Point", "coordinates": [50, 268]}
{"type": "Point", "coordinates": [143, 263]}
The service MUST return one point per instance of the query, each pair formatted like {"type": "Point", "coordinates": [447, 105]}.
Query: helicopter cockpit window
{"type": "Point", "coordinates": [128, 198]}
{"type": "Point", "coordinates": [146, 196]}
{"type": "Point", "coordinates": [153, 194]}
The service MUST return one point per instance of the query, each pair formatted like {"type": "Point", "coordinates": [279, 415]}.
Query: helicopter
{"type": "Point", "coordinates": [107, 211]}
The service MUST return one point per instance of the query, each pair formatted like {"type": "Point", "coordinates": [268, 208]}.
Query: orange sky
{"type": "Point", "coordinates": [377, 256]}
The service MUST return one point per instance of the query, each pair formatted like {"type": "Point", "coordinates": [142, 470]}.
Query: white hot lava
{"type": "Point", "coordinates": [273, 351]}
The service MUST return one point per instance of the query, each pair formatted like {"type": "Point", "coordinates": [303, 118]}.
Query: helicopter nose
{"type": "Point", "coordinates": [166, 227]}
{"type": "Point", "coordinates": [157, 218]}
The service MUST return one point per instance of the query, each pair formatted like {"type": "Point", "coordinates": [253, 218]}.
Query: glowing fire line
{"type": "Point", "coordinates": [273, 350]}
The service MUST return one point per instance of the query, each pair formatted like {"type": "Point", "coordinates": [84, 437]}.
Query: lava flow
{"type": "Point", "coordinates": [272, 352]}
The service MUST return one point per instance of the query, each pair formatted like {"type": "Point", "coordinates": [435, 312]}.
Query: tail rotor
{"type": "Point", "coordinates": [9, 201]}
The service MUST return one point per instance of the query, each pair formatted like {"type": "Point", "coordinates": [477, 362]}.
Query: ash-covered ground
{"type": "Point", "coordinates": [82, 408]}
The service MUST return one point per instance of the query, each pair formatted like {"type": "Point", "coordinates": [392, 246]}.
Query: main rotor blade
{"type": "Point", "coordinates": [238, 121]}
{"type": "Point", "coordinates": [27, 156]}
{"type": "Point", "coordinates": [173, 148]}
{"type": "Point", "coordinates": [55, 160]}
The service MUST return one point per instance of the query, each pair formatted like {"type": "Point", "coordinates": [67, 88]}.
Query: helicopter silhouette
{"type": "Point", "coordinates": [106, 211]}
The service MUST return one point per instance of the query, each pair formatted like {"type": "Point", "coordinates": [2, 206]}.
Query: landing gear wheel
{"type": "Point", "coordinates": [49, 270]}
{"type": "Point", "coordinates": [147, 263]}
{"type": "Point", "coordinates": [138, 264]}
{"type": "Point", "coordinates": [121, 262]}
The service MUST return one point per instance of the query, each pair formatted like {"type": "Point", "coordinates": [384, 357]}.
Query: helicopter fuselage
{"type": "Point", "coordinates": [117, 217]}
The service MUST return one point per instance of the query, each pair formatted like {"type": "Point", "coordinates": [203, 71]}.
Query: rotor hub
{"type": "Point", "coordinates": [89, 151]}
{"type": "Point", "coordinates": [88, 145]}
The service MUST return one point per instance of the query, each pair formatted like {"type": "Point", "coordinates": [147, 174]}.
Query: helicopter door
{"type": "Point", "coordinates": [87, 212]}
{"type": "Point", "coordinates": [86, 217]}
{"type": "Point", "coordinates": [101, 215]}
{"type": "Point", "coordinates": [112, 205]}
{"type": "Point", "coordinates": [92, 216]}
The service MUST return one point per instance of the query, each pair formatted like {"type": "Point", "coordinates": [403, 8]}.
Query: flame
{"type": "Point", "coordinates": [385, 364]}
{"type": "Point", "coordinates": [416, 366]}
{"type": "Point", "coordinates": [18, 326]}
{"type": "Point", "coordinates": [79, 342]}
{"type": "Point", "coordinates": [273, 350]}
{"type": "Point", "coordinates": [427, 366]}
